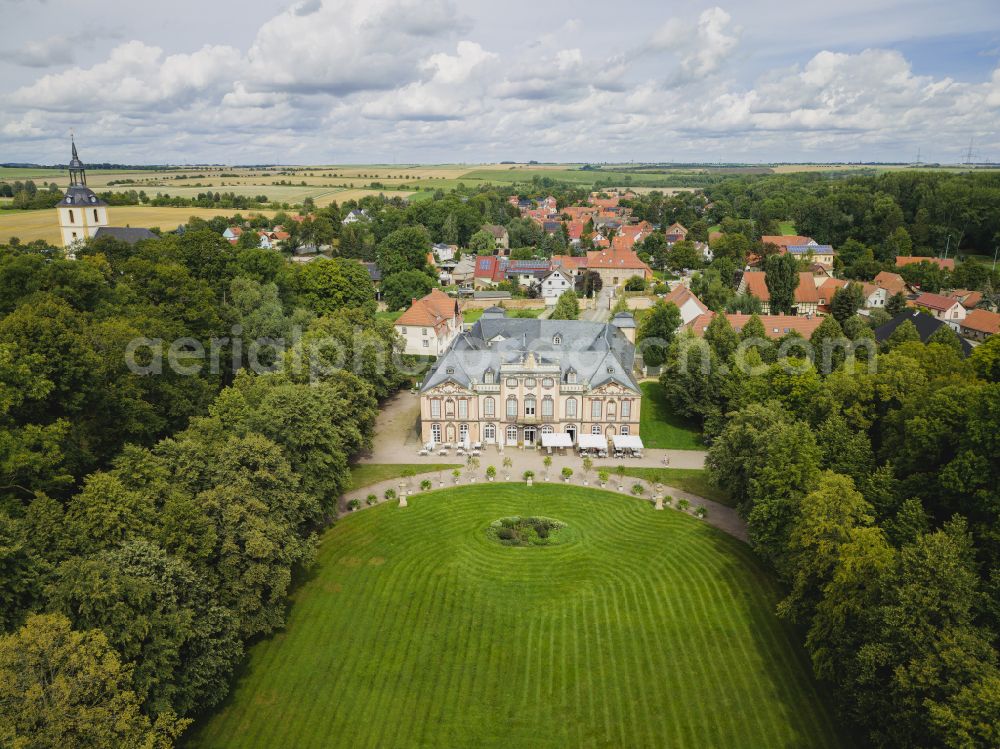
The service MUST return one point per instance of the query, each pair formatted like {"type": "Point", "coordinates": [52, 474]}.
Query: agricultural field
{"type": "Point", "coordinates": [416, 628]}
{"type": "Point", "coordinates": [31, 225]}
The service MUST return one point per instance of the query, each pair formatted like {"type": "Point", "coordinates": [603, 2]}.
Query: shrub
{"type": "Point", "coordinates": [354, 504]}
{"type": "Point", "coordinates": [507, 534]}
{"type": "Point", "coordinates": [371, 499]}
{"type": "Point", "coordinates": [603, 476]}
{"type": "Point", "coordinates": [638, 489]}
{"type": "Point", "coordinates": [390, 494]}
{"type": "Point", "coordinates": [455, 474]}
{"type": "Point", "coordinates": [425, 485]}
{"type": "Point", "coordinates": [683, 504]}
{"type": "Point", "coordinates": [567, 472]}
{"type": "Point", "coordinates": [491, 472]}
{"type": "Point", "coordinates": [700, 512]}
{"type": "Point", "coordinates": [529, 475]}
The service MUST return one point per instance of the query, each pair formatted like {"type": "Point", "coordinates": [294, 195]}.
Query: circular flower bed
{"type": "Point", "coordinates": [532, 531]}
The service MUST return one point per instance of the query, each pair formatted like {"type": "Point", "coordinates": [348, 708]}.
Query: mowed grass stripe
{"type": "Point", "coordinates": [644, 629]}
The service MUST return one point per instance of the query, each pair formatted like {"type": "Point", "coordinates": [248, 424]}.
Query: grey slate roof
{"type": "Point", "coordinates": [124, 233]}
{"type": "Point", "coordinates": [80, 195]}
{"type": "Point", "coordinates": [925, 324]}
{"type": "Point", "coordinates": [598, 352]}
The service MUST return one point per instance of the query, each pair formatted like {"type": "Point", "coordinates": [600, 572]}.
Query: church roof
{"type": "Point", "coordinates": [129, 234]}
{"type": "Point", "coordinates": [80, 195]}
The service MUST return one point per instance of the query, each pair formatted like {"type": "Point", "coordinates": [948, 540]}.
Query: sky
{"type": "Point", "coordinates": [435, 81]}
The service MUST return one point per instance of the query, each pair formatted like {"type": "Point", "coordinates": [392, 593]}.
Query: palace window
{"type": "Point", "coordinates": [530, 382]}
{"type": "Point", "coordinates": [489, 406]}
{"type": "Point", "coordinates": [490, 433]}
{"type": "Point", "coordinates": [435, 433]}
{"type": "Point", "coordinates": [95, 216]}
{"type": "Point", "coordinates": [511, 382]}
{"type": "Point", "coordinates": [435, 409]}
{"type": "Point", "coordinates": [511, 407]}
{"type": "Point", "coordinates": [626, 409]}
{"type": "Point", "coordinates": [571, 377]}
{"type": "Point", "coordinates": [71, 219]}
{"type": "Point", "coordinates": [463, 409]}
{"type": "Point", "coordinates": [547, 382]}
{"type": "Point", "coordinates": [547, 407]}
{"type": "Point", "coordinates": [612, 409]}
{"type": "Point", "coordinates": [624, 429]}
{"type": "Point", "coordinates": [449, 409]}
{"type": "Point", "coordinates": [529, 406]}
{"type": "Point", "coordinates": [571, 408]}
{"type": "Point", "coordinates": [488, 377]}
{"type": "Point", "coordinates": [595, 429]}
{"type": "Point", "coordinates": [595, 409]}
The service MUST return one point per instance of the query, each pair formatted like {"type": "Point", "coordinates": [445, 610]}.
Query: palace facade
{"type": "Point", "coordinates": [510, 380]}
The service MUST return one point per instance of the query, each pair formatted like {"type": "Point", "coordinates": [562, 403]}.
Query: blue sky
{"type": "Point", "coordinates": [323, 81]}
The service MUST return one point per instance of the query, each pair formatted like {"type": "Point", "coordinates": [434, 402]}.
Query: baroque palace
{"type": "Point", "coordinates": [511, 380]}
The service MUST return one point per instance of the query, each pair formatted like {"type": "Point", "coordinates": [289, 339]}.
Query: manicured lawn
{"type": "Point", "coordinates": [415, 629]}
{"type": "Point", "coordinates": [660, 428]}
{"type": "Point", "coordinates": [694, 480]}
{"type": "Point", "coordinates": [390, 316]}
{"type": "Point", "coordinates": [367, 474]}
{"type": "Point", "coordinates": [786, 227]}
{"type": "Point", "coordinates": [471, 315]}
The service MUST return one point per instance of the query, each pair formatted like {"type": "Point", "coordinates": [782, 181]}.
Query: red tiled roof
{"type": "Point", "coordinates": [785, 240]}
{"type": "Point", "coordinates": [968, 299]}
{"type": "Point", "coordinates": [937, 302]}
{"type": "Point", "coordinates": [434, 309]}
{"type": "Point", "coordinates": [983, 321]}
{"type": "Point", "coordinates": [904, 260]}
{"type": "Point", "coordinates": [682, 294]}
{"type": "Point", "coordinates": [775, 326]}
{"type": "Point", "coordinates": [805, 292]}
{"type": "Point", "coordinates": [829, 286]}
{"type": "Point", "coordinates": [568, 261]}
{"type": "Point", "coordinates": [616, 259]}
{"type": "Point", "coordinates": [891, 282]}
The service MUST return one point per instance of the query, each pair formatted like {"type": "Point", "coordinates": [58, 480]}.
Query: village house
{"type": "Point", "coordinates": [554, 283]}
{"type": "Point", "coordinates": [893, 283]}
{"type": "Point", "coordinates": [464, 270]}
{"type": "Point", "coordinates": [775, 326]}
{"type": "Point", "coordinates": [980, 324]}
{"type": "Point", "coordinates": [571, 265]}
{"type": "Point", "coordinates": [501, 238]}
{"type": "Point", "coordinates": [943, 308]}
{"type": "Point", "coordinates": [444, 253]}
{"type": "Point", "coordinates": [509, 381]}
{"type": "Point", "coordinates": [690, 306]}
{"type": "Point", "coordinates": [617, 267]}
{"type": "Point", "coordinates": [875, 297]}
{"type": "Point", "coordinates": [925, 324]}
{"type": "Point", "coordinates": [903, 260]}
{"type": "Point", "coordinates": [806, 298]}
{"type": "Point", "coordinates": [354, 216]}
{"type": "Point", "coordinates": [430, 324]}
{"type": "Point", "coordinates": [784, 241]}
{"type": "Point", "coordinates": [816, 253]}
{"type": "Point", "coordinates": [676, 233]}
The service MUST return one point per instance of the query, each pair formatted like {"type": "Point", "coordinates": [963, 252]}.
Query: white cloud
{"type": "Point", "coordinates": [343, 47]}
{"type": "Point", "coordinates": [341, 80]}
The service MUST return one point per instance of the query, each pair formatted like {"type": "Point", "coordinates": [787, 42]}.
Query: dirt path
{"type": "Point", "coordinates": [719, 516]}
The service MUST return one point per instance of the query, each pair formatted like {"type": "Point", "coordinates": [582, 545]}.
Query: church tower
{"type": "Point", "coordinates": [81, 212]}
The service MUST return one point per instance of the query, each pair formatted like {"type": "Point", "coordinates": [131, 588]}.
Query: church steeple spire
{"type": "Point", "coordinates": [77, 173]}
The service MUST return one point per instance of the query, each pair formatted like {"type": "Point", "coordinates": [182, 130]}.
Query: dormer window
{"type": "Point", "coordinates": [449, 370]}
{"type": "Point", "coordinates": [571, 377]}
{"type": "Point", "coordinates": [611, 370]}
{"type": "Point", "coordinates": [556, 340]}
{"type": "Point", "coordinates": [488, 377]}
